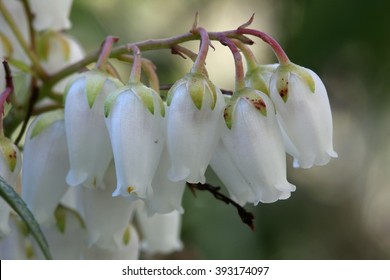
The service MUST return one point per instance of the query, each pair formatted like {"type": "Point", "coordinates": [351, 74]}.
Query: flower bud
{"type": "Point", "coordinates": [304, 115]}
{"type": "Point", "coordinates": [193, 130]}
{"type": "Point", "coordinates": [254, 142]}
{"type": "Point", "coordinates": [88, 141]}
{"type": "Point", "coordinates": [10, 166]}
{"type": "Point", "coordinates": [135, 118]}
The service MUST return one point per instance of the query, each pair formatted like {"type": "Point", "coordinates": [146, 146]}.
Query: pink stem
{"type": "Point", "coordinates": [105, 52]}
{"type": "Point", "coordinates": [200, 61]}
{"type": "Point", "coordinates": [240, 80]}
{"type": "Point", "coordinates": [281, 55]}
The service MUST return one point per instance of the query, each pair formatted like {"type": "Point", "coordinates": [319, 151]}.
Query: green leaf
{"type": "Point", "coordinates": [17, 204]}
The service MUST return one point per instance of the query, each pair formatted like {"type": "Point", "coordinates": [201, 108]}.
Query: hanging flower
{"type": "Point", "coordinates": [304, 115]}
{"type": "Point", "coordinates": [88, 141]}
{"type": "Point", "coordinates": [160, 232]}
{"type": "Point", "coordinates": [128, 249]}
{"type": "Point", "coordinates": [227, 171]}
{"type": "Point", "coordinates": [253, 140]}
{"type": "Point", "coordinates": [53, 15]}
{"type": "Point", "coordinates": [167, 195]}
{"type": "Point", "coordinates": [45, 165]}
{"type": "Point", "coordinates": [106, 217]}
{"type": "Point", "coordinates": [193, 130]}
{"type": "Point", "coordinates": [58, 50]}
{"type": "Point", "coordinates": [10, 166]}
{"type": "Point", "coordinates": [135, 121]}
{"type": "Point", "coordinates": [66, 237]}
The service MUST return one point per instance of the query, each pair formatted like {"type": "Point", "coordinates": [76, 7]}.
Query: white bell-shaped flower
{"type": "Point", "coordinates": [88, 141]}
{"type": "Point", "coordinates": [227, 171]}
{"type": "Point", "coordinates": [15, 245]}
{"type": "Point", "coordinates": [58, 51]}
{"type": "Point", "coordinates": [167, 195]}
{"type": "Point", "coordinates": [106, 217]}
{"type": "Point", "coordinates": [7, 36]}
{"type": "Point", "coordinates": [10, 166]}
{"type": "Point", "coordinates": [304, 114]}
{"type": "Point", "coordinates": [128, 249]}
{"type": "Point", "coordinates": [135, 118]}
{"type": "Point", "coordinates": [53, 15]}
{"type": "Point", "coordinates": [193, 128]}
{"type": "Point", "coordinates": [45, 165]}
{"type": "Point", "coordinates": [66, 237]}
{"type": "Point", "coordinates": [253, 140]}
{"type": "Point", "coordinates": [160, 232]}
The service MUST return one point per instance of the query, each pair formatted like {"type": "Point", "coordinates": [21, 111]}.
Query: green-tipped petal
{"type": "Point", "coordinates": [228, 113]}
{"type": "Point", "coordinates": [94, 84]}
{"type": "Point", "coordinates": [305, 75]}
{"type": "Point", "coordinates": [110, 100]}
{"type": "Point", "coordinates": [282, 83]}
{"type": "Point", "coordinates": [253, 98]}
{"type": "Point", "coordinates": [9, 151]}
{"type": "Point", "coordinates": [196, 88]}
{"type": "Point", "coordinates": [145, 95]}
{"type": "Point", "coordinates": [46, 120]}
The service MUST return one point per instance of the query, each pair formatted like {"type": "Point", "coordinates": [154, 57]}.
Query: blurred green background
{"type": "Point", "coordinates": [339, 211]}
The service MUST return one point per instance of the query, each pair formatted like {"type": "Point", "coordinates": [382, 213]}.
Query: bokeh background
{"type": "Point", "coordinates": [339, 211]}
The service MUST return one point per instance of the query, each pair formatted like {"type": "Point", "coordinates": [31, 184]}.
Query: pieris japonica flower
{"type": "Point", "coordinates": [8, 38]}
{"type": "Point", "coordinates": [227, 171]}
{"type": "Point", "coordinates": [253, 140]}
{"type": "Point", "coordinates": [45, 165]}
{"type": "Point", "coordinates": [260, 77]}
{"type": "Point", "coordinates": [15, 245]}
{"type": "Point", "coordinates": [304, 115]}
{"type": "Point", "coordinates": [66, 237]}
{"type": "Point", "coordinates": [160, 232]}
{"type": "Point", "coordinates": [193, 130]}
{"type": "Point", "coordinates": [135, 118]}
{"type": "Point", "coordinates": [10, 166]}
{"type": "Point", "coordinates": [128, 249]}
{"type": "Point", "coordinates": [167, 195]}
{"type": "Point", "coordinates": [88, 141]}
{"type": "Point", "coordinates": [106, 218]}
{"type": "Point", "coordinates": [53, 15]}
{"type": "Point", "coordinates": [59, 50]}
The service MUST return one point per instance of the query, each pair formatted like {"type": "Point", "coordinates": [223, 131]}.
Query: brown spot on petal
{"type": "Point", "coordinates": [130, 189]}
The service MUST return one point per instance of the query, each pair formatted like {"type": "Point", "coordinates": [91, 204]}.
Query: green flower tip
{"type": "Point", "coordinates": [145, 94]}
{"type": "Point", "coordinates": [10, 152]}
{"type": "Point", "coordinates": [250, 96]}
{"type": "Point", "coordinates": [45, 120]}
{"type": "Point", "coordinates": [254, 79]}
{"type": "Point", "coordinates": [126, 236]}
{"type": "Point", "coordinates": [284, 71]}
{"type": "Point", "coordinates": [197, 85]}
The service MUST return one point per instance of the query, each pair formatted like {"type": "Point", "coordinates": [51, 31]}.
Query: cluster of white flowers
{"type": "Point", "coordinates": [118, 153]}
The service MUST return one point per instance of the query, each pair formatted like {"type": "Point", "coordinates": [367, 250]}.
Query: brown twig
{"type": "Point", "coordinates": [246, 217]}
